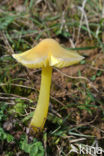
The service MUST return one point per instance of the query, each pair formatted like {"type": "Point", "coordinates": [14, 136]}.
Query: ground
{"type": "Point", "coordinates": [76, 112]}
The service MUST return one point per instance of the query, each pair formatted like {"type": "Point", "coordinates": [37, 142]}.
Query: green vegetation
{"type": "Point", "coordinates": [33, 149]}
{"type": "Point", "coordinates": [76, 113]}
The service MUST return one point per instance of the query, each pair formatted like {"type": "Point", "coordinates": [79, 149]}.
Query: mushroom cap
{"type": "Point", "coordinates": [48, 53]}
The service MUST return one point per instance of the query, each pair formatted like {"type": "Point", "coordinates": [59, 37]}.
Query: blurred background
{"type": "Point", "coordinates": [76, 113]}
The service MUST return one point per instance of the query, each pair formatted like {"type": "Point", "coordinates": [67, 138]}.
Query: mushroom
{"type": "Point", "coordinates": [45, 55]}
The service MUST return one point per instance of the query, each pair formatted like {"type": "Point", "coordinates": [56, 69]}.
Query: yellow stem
{"type": "Point", "coordinates": [40, 114]}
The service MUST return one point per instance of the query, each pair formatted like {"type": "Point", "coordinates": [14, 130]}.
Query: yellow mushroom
{"type": "Point", "coordinates": [45, 55]}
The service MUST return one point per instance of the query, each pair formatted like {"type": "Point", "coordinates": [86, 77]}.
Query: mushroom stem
{"type": "Point", "coordinates": [40, 114]}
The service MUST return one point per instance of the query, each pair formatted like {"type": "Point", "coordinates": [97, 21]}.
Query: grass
{"type": "Point", "coordinates": [76, 113]}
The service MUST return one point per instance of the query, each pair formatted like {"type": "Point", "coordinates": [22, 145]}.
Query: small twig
{"type": "Point", "coordinates": [72, 77]}
{"type": "Point", "coordinates": [77, 140]}
{"type": "Point", "coordinates": [10, 103]}
{"type": "Point", "coordinates": [56, 113]}
{"type": "Point", "coordinates": [14, 97]}
{"type": "Point", "coordinates": [12, 84]}
{"type": "Point", "coordinates": [97, 128]}
{"type": "Point", "coordinates": [95, 68]}
{"type": "Point", "coordinates": [57, 101]}
{"type": "Point", "coordinates": [79, 77]}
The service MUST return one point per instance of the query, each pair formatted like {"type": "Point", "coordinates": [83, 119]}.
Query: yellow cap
{"type": "Point", "coordinates": [48, 53]}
